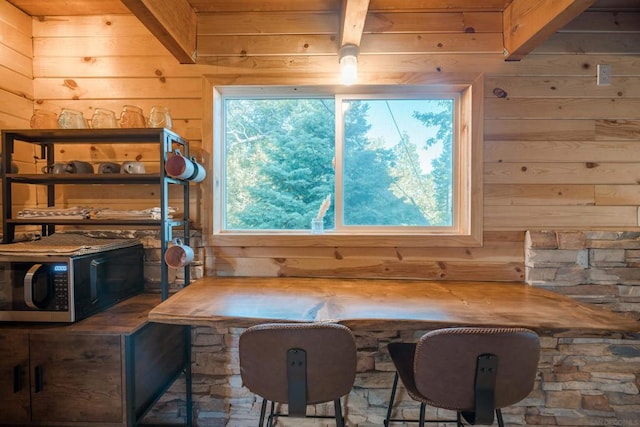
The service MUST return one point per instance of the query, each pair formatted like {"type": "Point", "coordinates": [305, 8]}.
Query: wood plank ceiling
{"type": "Point", "coordinates": [195, 31]}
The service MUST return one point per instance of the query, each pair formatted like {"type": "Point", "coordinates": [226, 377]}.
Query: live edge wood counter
{"type": "Point", "coordinates": [378, 304]}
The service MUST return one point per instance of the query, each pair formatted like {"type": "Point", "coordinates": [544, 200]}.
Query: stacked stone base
{"type": "Point", "coordinates": [581, 382]}
{"type": "Point", "coordinates": [598, 267]}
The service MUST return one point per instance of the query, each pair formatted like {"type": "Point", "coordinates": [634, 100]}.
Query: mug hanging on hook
{"type": "Point", "coordinates": [181, 167]}
{"type": "Point", "coordinates": [178, 254]}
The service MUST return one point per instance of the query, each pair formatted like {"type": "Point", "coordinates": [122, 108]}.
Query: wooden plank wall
{"type": "Point", "coordinates": [16, 71]}
{"type": "Point", "coordinates": [560, 152]}
{"type": "Point", "coordinates": [16, 67]}
{"type": "Point", "coordinates": [90, 62]}
{"type": "Point", "coordinates": [16, 81]}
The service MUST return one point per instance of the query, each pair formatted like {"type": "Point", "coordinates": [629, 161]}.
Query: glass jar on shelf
{"type": "Point", "coordinates": [103, 118]}
{"type": "Point", "coordinates": [71, 119]}
{"type": "Point", "coordinates": [132, 117]}
{"type": "Point", "coordinates": [43, 119]}
{"type": "Point", "coordinates": [159, 117]}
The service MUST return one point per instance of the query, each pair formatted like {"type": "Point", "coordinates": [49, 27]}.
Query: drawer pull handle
{"type": "Point", "coordinates": [17, 378]}
{"type": "Point", "coordinates": [39, 376]}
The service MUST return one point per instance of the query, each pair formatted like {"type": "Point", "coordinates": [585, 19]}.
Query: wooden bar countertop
{"type": "Point", "coordinates": [382, 303]}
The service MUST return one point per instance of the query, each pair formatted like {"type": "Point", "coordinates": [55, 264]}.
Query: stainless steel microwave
{"type": "Point", "coordinates": [53, 288]}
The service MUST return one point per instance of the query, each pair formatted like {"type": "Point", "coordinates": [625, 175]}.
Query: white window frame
{"type": "Point", "coordinates": [467, 228]}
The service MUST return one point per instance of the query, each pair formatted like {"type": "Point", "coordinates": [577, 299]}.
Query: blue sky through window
{"type": "Point", "coordinates": [389, 119]}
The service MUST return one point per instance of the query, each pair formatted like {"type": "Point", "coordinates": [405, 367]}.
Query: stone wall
{"type": "Point", "coordinates": [599, 267]}
{"type": "Point", "coordinates": [581, 382]}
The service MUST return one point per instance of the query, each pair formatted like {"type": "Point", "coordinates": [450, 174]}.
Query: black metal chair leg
{"type": "Point", "coordinates": [393, 396]}
{"type": "Point", "coordinates": [263, 409]}
{"type": "Point", "coordinates": [499, 417]}
{"type": "Point", "coordinates": [273, 408]}
{"type": "Point", "coordinates": [338, 410]}
{"type": "Point", "coordinates": [422, 410]}
{"type": "Point", "coordinates": [459, 420]}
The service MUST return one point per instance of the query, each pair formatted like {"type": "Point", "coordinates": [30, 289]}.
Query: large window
{"type": "Point", "coordinates": [373, 162]}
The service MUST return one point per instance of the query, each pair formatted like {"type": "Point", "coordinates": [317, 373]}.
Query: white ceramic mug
{"type": "Point", "coordinates": [133, 167]}
{"type": "Point", "coordinates": [78, 166]}
{"type": "Point", "coordinates": [109, 167]}
{"type": "Point", "coordinates": [178, 254]}
{"type": "Point", "coordinates": [55, 168]}
{"type": "Point", "coordinates": [180, 167]}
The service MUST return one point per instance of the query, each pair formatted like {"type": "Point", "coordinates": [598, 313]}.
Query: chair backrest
{"type": "Point", "coordinates": [330, 359]}
{"type": "Point", "coordinates": [446, 360]}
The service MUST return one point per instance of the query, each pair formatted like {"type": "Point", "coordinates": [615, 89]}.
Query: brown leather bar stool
{"type": "Point", "coordinates": [473, 371]}
{"type": "Point", "coordinates": [298, 364]}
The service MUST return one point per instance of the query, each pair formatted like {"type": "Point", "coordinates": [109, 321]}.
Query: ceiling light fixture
{"type": "Point", "coordinates": [348, 64]}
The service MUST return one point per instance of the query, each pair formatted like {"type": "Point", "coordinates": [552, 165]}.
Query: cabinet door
{"type": "Point", "coordinates": [14, 376]}
{"type": "Point", "coordinates": [76, 378]}
{"type": "Point", "coordinates": [159, 356]}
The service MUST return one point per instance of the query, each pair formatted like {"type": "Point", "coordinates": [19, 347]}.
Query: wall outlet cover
{"type": "Point", "coordinates": [604, 74]}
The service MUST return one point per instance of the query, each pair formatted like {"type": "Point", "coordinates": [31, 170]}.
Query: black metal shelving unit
{"type": "Point", "coordinates": [167, 142]}
{"type": "Point", "coordinates": [46, 139]}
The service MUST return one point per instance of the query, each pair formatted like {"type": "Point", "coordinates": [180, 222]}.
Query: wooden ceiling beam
{"type": "Point", "coordinates": [173, 22]}
{"type": "Point", "coordinates": [528, 23]}
{"type": "Point", "coordinates": [352, 18]}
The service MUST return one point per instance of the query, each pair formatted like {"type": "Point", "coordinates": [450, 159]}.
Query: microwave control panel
{"type": "Point", "coordinates": [60, 274]}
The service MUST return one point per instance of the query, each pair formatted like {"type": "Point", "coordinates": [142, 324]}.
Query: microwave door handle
{"type": "Point", "coordinates": [28, 285]}
{"type": "Point", "coordinates": [93, 278]}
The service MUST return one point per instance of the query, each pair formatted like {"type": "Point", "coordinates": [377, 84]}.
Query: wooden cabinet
{"type": "Point", "coordinates": [106, 370]}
